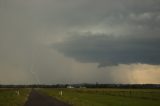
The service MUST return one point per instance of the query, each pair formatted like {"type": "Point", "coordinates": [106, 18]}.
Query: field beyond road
{"type": "Point", "coordinates": [106, 97]}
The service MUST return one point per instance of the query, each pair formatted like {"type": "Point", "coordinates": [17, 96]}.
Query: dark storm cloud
{"type": "Point", "coordinates": [112, 50]}
{"type": "Point", "coordinates": [127, 32]}
{"type": "Point", "coordinates": [27, 27]}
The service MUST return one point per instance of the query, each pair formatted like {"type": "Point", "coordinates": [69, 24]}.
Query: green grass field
{"type": "Point", "coordinates": [10, 97]}
{"type": "Point", "coordinates": [107, 97]}
{"type": "Point", "coordinates": [87, 97]}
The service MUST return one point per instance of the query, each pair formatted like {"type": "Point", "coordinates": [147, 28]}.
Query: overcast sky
{"type": "Point", "coordinates": [79, 41]}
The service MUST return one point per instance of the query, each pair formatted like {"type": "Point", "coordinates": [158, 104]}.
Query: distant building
{"type": "Point", "coordinates": [82, 87]}
{"type": "Point", "coordinates": [69, 86]}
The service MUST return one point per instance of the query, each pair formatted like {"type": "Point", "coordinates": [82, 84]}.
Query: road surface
{"type": "Point", "coordinates": [37, 99]}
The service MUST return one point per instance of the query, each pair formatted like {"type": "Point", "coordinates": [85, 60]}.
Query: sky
{"type": "Point", "coordinates": [79, 41]}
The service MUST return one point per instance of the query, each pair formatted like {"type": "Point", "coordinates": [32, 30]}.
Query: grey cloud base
{"type": "Point", "coordinates": [89, 31]}
{"type": "Point", "coordinates": [112, 50]}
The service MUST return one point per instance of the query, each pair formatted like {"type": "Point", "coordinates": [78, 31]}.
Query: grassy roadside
{"type": "Point", "coordinates": [10, 97]}
{"type": "Point", "coordinates": [106, 97]}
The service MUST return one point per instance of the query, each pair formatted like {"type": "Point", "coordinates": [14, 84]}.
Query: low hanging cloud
{"type": "Point", "coordinates": [108, 50]}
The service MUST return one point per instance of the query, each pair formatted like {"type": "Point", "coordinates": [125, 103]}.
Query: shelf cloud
{"type": "Point", "coordinates": [112, 50]}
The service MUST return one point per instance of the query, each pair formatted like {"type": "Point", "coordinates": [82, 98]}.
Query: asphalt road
{"type": "Point", "coordinates": [37, 99]}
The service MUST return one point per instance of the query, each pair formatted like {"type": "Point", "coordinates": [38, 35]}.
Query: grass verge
{"type": "Point", "coordinates": [107, 97]}
{"type": "Point", "coordinates": [13, 97]}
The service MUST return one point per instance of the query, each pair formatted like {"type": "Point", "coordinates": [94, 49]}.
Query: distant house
{"type": "Point", "coordinates": [82, 87]}
{"type": "Point", "coordinates": [69, 86]}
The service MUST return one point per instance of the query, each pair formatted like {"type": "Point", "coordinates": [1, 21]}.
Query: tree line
{"type": "Point", "coordinates": [85, 85]}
